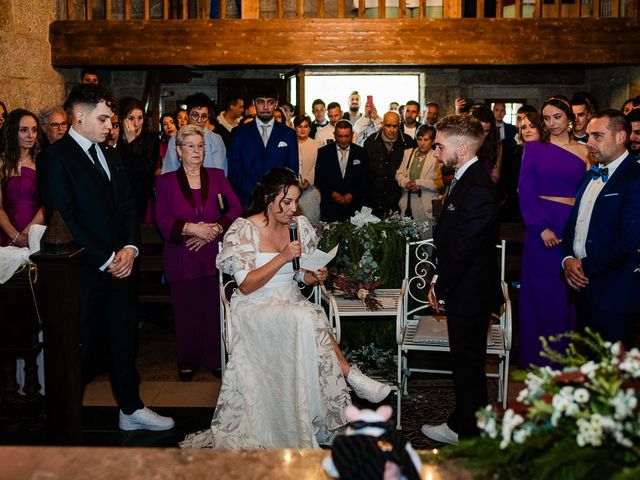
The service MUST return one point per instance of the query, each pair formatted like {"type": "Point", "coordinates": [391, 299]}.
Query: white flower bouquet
{"type": "Point", "coordinates": [580, 422]}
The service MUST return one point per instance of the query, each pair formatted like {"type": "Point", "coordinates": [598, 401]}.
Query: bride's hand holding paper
{"type": "Point", "coordinates": [317, 259]}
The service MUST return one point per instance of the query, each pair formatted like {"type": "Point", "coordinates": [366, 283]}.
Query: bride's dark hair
{"type": "Point", "coordinates": [277, 180]}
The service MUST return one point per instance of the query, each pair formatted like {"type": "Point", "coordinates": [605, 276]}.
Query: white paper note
{"type": "Point", "coordinates": [318, 259]}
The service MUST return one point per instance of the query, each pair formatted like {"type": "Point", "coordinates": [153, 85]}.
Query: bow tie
{"type": "Point", "coordinates": [597, 172]}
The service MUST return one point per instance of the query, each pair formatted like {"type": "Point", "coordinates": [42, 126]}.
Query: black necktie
{"type": "Point", "coordinates": [96, 162]}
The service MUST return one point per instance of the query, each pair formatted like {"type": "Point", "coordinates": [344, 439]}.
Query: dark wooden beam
{"type": "Point", "coordinates": [375, 41]}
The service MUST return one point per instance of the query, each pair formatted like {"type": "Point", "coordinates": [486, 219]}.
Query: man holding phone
{"type": "Point", "coordinates": [368, 124]}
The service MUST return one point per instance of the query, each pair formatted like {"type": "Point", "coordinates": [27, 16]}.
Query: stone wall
{"type": "Point", "coordinates": [27, 79]}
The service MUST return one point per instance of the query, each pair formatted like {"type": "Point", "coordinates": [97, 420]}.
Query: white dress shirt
{"type": "Point", "coordinates": [587, 201]}
{"type": "Point", "coordinates": [325, 135]}
{"type": "Point", "coordinates": [269, 125]}
{"type": "Point", "coordinates": [85, 144]}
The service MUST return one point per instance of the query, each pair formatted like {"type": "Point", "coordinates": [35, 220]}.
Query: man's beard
{"type": "Point", "coordinates": [354, 108]}
{"type": "Point", "coordinates": [634, 147]}
{"type": "Point", "coordinates": [452, 161]}
{"type": "Point", "coordinates": [264, 117]}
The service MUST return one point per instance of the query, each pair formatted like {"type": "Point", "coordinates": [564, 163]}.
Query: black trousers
{"type": "Point", "coordinates": [601, 316]}
{"type": "Point", "coordinates": [108, 323]}
{"type": "Point", "coordinates": [468, 344]}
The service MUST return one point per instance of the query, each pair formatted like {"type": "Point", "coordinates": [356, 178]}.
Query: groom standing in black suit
{"type": "Point", "coordinates": [467, 284]}
{"type": "Point", "coordinates": [88, 185]}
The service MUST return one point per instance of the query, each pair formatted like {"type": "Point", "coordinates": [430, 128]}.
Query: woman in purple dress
{"type": "Point", "coordinates": [194, 207]}
{"type": "Point", "coordinates": [20, 205]}
{"type": "Point", "coordinates": [549, 178]}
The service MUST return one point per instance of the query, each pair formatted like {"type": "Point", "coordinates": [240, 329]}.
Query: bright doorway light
{"type": "Point", "coordinates": [383, 88]}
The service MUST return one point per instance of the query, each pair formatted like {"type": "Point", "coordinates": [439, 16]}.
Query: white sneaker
{"type": "Point", "coordinates": [365, 387]}
{"type": "Point", "coordinates": [440, 433]}
{"type": "Point", "coordinates": [145, 419]}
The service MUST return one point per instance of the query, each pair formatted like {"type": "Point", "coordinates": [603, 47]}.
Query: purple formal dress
{"type": "Point", "coordinates": [20, 201]}
{"type": "Point", "coordinates": [544, 302]}
{"type": "Point", "coordinates": [192, 276]}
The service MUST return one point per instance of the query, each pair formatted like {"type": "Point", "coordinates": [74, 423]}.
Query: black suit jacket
{"type": "Point", "coordinates": [465, 238]}
{"type": "Point", "coordinates": [509, 135]}
{"type": "Point", "coordinates": [100, 214]}
{"type": "Point", "coordinates": [328, 179]}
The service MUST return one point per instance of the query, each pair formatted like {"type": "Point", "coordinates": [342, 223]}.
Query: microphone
{"type": "Point", "coordinates": [293, 236]}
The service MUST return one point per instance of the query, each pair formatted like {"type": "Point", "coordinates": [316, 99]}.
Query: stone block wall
{"type": "Point", "coordinates": [27, 79]}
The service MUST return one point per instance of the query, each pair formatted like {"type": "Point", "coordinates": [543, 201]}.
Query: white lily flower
{"type": "Point", "coordinates": [364, 216]}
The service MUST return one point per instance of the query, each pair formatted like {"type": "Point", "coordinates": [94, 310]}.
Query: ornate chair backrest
{"type": "Point", "coordinates": [419, 269]}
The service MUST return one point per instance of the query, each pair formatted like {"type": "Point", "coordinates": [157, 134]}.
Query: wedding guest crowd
{"type": "Point", "coordinates": [195, 175]}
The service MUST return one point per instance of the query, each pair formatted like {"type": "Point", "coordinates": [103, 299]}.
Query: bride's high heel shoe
{"type": "Point", "coordinates": [365, 387]}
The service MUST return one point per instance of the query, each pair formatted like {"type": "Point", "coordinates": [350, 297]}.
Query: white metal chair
{"type": "Point", "coordinates": [417, 330]}
{"type": "Point", "coordinates": [227, 286]}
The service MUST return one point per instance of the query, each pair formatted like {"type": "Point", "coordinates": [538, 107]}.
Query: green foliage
{"type": "Point", "coordinates": [374, 360]}
{"type": "Point", "coordinates": [374, 251]}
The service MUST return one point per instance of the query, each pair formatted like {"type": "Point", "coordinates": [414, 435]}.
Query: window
{"type": "Point", "coordinates": [511, 106]}
{"type": "Point", "coordinates": [383, 88]}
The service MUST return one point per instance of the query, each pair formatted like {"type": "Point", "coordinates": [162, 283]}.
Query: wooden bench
{"type": "Point", "coordinates": [152, 287]}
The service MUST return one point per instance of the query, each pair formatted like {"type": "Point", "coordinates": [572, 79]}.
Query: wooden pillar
{"type": "Point", "coordinates": [250, 9]}
{"type": "Point", "coordinates": [59, 302]}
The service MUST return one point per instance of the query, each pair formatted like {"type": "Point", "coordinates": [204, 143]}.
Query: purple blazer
{"type": "Point", "coordinates": [177, 204]}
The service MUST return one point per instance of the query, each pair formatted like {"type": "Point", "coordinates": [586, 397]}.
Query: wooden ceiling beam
{"type": "Point", "coordinates": [323, 42]}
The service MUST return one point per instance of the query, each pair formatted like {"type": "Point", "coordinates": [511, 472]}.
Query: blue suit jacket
{"type": "Point", "coordinates": [612, 245]}
{"type": "Point", "coordinates": [250, 159]}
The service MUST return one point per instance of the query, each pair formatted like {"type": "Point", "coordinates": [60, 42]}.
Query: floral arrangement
{"type": "Point", "coordinates": [581, 422]}
{"type": "Point", "coordinates": [371, 252]}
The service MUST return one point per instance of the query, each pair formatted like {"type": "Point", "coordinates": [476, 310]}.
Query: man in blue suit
{"type": "Point", "coordinates": [342, 171]}
{"type": "Point", "coordinates": [602, 235]}
{"type": "Point", "coordinates": [259, 146]}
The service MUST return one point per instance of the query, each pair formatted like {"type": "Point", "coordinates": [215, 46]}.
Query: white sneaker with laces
{"type": "Point", "coordinates": [440, 433]}
{"type": "Point", "coordinates": [145, 419]}
{"type": "Point", "coordinates": [365, 387]}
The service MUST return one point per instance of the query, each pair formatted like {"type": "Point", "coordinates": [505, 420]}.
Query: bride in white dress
{"type": "Point", "coordinates": [284, 386]}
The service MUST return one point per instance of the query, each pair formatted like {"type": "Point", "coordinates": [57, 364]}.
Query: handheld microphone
{"type": "Point", "coordinates": [293, 236]}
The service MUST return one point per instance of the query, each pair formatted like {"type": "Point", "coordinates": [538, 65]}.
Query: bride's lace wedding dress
{"type": "Point", "coordinates": [283, 387]}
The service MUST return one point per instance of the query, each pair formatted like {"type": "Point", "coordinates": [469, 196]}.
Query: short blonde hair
{"type": "Point", "coordinates": [187, 131]}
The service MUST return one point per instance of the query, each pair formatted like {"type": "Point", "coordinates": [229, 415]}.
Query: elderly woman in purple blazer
{"type": "Point", "coordinates": [194, 207]}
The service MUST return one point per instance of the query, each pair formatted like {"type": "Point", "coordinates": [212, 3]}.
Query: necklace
{"type": "Point", "coordinates": [192, 173]}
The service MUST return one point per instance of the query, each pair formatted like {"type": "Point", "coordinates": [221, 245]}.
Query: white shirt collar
{"type": "Point", "coordinates": [84, 142]}
{"type": "Point", "coordinates": [462, 169]}
{"type": "Point", "coordinates": [615, 164]}
{"type": "Point", "coordinates": [270, 123]}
